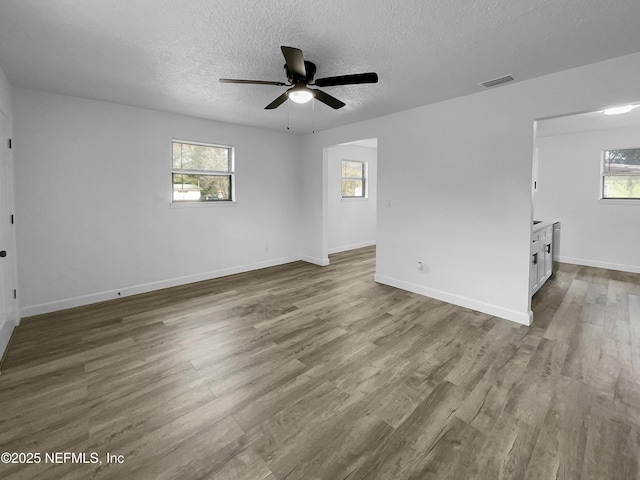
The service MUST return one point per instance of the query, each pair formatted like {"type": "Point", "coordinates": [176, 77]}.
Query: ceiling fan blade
{"type": "Point", "coordinates": [354, 79]}
{"type": "Point", "coordinates": [295, 61]}
{"type": "Point", "coordinates": [277, 102]}
{"type": "Point", "coordinates": [255, 82]}
{"type": "Point", "coordinates": [327, 99]}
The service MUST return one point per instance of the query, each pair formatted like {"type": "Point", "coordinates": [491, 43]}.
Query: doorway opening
{"type": "Point", "coordinates": [587, 173]}
{"type": "Point", "coordinates": [352, 177]}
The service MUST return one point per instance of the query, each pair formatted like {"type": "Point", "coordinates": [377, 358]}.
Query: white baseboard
{"type": "Point", "coordinates": [598, 264]}
{"type": "Point", "coordinates": [353, 246]}
{"type": "Point", "coordinates": [6, 329]}
{"type": "Point", "coordinates": [316, 261]}
{"type": "Point", "coordinates": [522, 318]}
{"type": "Point", "coordinates": [49, 307]}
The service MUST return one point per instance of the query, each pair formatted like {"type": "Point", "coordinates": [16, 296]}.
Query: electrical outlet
{"type": "Point", "coordinates": [422, 268]}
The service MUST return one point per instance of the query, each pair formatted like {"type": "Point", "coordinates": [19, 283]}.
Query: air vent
{"type": "Point", "coordinates": [497, 81]}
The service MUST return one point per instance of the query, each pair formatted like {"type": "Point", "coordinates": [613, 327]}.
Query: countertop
{"type": "Point", "coordinates": [545, 222]}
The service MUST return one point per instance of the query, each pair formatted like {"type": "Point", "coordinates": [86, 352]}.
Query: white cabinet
{"type": "Point", "coordinates": [541, 258]}
{"type": "Point", "coordinates": [547, 252]}
{"type": "Point", "coordinates": [534, 267]}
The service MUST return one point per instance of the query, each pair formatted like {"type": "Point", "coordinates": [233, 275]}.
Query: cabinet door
{"type": "Point", "coordinates": [534, 280]}
{"type": "Point", "coordinates": [534, 265]}
{"type": "Point", "coordinates": [547, 251]}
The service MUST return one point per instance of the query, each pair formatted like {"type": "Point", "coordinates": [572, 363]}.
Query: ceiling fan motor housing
{"type": "Point", "coordinates": [294, 79]}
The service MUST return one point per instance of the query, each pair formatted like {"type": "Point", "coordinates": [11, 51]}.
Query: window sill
{"type": "Point", "coordinates": [619, 201]}
{"type": "Point", "coordinates": [202, 204]}
{"type": "Point", "coordinates": [354, 199]}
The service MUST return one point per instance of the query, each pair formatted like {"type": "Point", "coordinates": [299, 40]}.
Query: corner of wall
{"type": "Point", "coordinates": [9, 317]}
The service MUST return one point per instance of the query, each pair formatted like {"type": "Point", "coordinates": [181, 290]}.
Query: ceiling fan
{"type": "Point", "coordinates": [300, 74]}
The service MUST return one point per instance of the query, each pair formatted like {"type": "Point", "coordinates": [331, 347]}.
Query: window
{"type": "Point", "coordinates": [621, 174]}
{"type": "Point", "coordinates": [353, 179]}
{"type": "Point", "coordinates": [202, 173]}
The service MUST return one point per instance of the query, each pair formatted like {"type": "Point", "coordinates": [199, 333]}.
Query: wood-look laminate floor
{"type": "Point", "coordinates": [305, 372]}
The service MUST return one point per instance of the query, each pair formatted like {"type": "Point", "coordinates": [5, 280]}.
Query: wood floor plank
{"type": "Point", "coordinates": [148, 451]}
{"type": "Point", "coordinates": [634, 325]}
{"type": "Point", "coordinates": [348, 450]}
{"type": "Point", "coordinates": [567, 317]}
{"type": "Point", "coordinates": [460, 442]}
{"type": "Point", "coordinates": [420, 432]}
{"type": "Point", "coordinates": [616, 316]}
{"type": "Point", "coordinates": [560, 448]}
{"type": "Point", "coordinates": [247, 465]}
{"type": "Point", "coordinates": [307, 372]}
{"type": "Point", "coordinates": [584, 351]}
{"type": "Point", "coordinates": [611, 450]}
{"type": "Point", "coordinates": [530, 398]}
{"type": "Point", "coordinates": [507, 451]}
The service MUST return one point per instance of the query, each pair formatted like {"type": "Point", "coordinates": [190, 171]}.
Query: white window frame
{"type": "Point", "coordinates": [229, 173]}
{"type": "Point", "coordinates": [603, 174]}
{"type": "Point", "coordinates": [364, 179]}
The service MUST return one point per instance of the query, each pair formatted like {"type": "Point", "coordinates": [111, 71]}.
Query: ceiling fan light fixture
{"type": "Point", "coordinates": [618, 110]}
{"type": "Point", "coordinates": [300, 94]}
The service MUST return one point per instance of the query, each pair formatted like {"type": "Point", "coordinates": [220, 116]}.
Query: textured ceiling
{"type": "Point", "coordinates": [168, 55]}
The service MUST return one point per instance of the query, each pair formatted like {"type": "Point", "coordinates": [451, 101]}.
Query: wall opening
{"type": "Point", "coordinates": [574, 182]}
{"type": "Point", "coordinates": [351, 202]}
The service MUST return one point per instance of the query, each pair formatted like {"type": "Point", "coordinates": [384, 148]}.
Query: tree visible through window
{"type": "Point", "coordinates": [621, 174]}
{"type": "Point", "coordinates": [353, 179]}
{"type": "Point", "coordinates": [202, 173]}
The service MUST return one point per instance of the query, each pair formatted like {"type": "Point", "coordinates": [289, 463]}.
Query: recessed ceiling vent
{"type": "Point", "coordinates": [497, 81]}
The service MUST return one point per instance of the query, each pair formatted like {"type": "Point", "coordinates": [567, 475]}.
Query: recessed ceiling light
{"type": "Point", "coordinates": [618, 110]}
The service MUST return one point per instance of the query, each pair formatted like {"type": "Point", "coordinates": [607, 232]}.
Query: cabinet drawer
{"type": "Point", "coordinates": [536, 247]}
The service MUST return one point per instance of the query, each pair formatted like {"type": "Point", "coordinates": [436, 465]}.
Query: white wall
{"type": "Point", "coordinates": [453, 192]}
{"type": "Point", "coordinates": [8, 270]}
{"type": "Point", "coordinates": [594, 233]}
{"type": "Point", "coordinates": [93, 198]}
{"type": "Point", "coordinates": [352, 222]}
{"type": "Point", "coordinates": [457, 176]}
